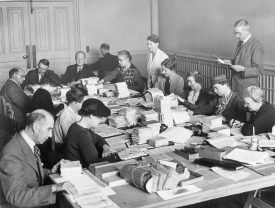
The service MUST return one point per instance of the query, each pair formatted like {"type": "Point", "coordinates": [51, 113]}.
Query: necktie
{"type": "Point", "coordinates": [167, 87]}
{"type": "Point", "coordinates": [36, 153]}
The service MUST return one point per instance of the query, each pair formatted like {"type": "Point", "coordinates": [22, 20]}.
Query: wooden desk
{"type": "Point", "coordinates": [214, 186]}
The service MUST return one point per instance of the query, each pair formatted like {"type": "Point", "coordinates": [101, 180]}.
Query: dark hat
{"type": "Point", "coordinates": [94, 107]}
{"type": "Point", "coordinates": [219, 79]}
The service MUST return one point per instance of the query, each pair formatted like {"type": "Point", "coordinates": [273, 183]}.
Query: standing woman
{"type": "Point", "coordinates": [168, 81]}
{"type": "Point", "coordinates": [82, 143]}
{"type": "Point", "coordinates": [194, 96]}
{"type": "Point", "coordinates": [155, 58]}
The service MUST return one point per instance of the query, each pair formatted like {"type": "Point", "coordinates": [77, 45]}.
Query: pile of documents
{"type": "Point", "coordinates": [93, 88]}
{"type": "Point", "coordinates": [130, 115]}
{"type": "Point", "coordinates": [90, 81]}
{"type": "Point", "coordinates": [162, 104]}
{"type": "Point", "coordinates": [117, 121]}
{"type": "Point", "coordinates": [105, 130]}
{"type": "Point", "coordinates": [212, 122]}
{"type": "Point", "coordinates": [142, 134]}
{"type": "Point", "coordinates": [180, 115]}
{"type": "Point", "coordinates": [150, 115]}
{"type": "Point", "coordinates": [122, 90]}
{"type": "Point", "coordinates": [68, 168]}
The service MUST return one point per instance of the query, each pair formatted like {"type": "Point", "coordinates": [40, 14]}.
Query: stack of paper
{"type": "Point", "coordinates": [105, 130]}
{"type": "Point", "coordinates": [90, 81]}
{"type": "Point", "coordinates": [162, 104]}
{"type": "Point", "coordinates": [93, 88]}
{"type": "Point", "coordinates": [131, 153]}
{"type": "Point", "coordinates": [122, 90]}
{"type": "Point", "coordinates": [150, 115]}
{"type": "Point", "coordinates": [180, 115]}
{"type": "Point", "coordinates": [152, 93]}
{"type": "Point", "coordinates": [130, 115]}
{"type": "Point", "coordinates": [247, 156]}
{"type": "Point", "coordinates": [117, 121]}
{"type": "Point", "coordinates": [212, 121]}
{"type": "Point", "coordinates": [68, 168]}
{"type": "Point", "coordinates": [173, 100]}
{"type": "Point", "coordinates": [142, 134]}
{"type": "Point", "coordinates": [167, 119]}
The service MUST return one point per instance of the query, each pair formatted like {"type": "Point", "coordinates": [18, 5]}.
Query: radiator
{"type": "Point", "coordinates": [209, 69]}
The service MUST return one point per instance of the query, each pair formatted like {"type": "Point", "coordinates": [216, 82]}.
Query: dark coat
{"type": "Point", "coordinates": [202, 100]}
{"type": "Point", "coordinates": [234, 110]}
{"type": "Point", "coordinates": [19, 176]}
{"type": "Point", "coordinates": [105, 65]}
{"type": "Point", "coordinates": [249, 55]}
{"type": "Point", "coordinates": [262, 121]}
{"type": "Point", "coordinates": [71, 73]}
{"type": "Point", "coordinates": [49, 77]}
{"type": "Point", "coordinates": [18, 101]}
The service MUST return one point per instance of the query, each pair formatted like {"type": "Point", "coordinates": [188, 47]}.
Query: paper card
{"type": "Point", "coordinates": [178, 192]}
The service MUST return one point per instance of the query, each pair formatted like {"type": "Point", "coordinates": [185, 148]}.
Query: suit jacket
{"type": "Point", "coordinates": [71, 73]}
{"type": "Point", "coordinates": [105, 65]}
{"type": "Point", "coordinates": [249, 55]}
{"type": "Point", "coordinates": [176, 83]}
{"type": "Point", "coordinates": [49, 77]}
{"type": "Point", "coordinates": [20, 179]}
{"type": "Point", "coordinates": [154, 66]}
{"type": "Point", "coordinates": [262, 121]}
{"type": "Point", "coordinates": [202, 100]}
{"type": "Point", "coordinates": [18, 101]}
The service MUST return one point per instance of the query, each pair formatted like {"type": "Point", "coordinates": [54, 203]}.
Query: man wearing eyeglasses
{"type": "Point", "coordinates": [15, 96]}
{"type": "Point", "coordinates": [247, 63]}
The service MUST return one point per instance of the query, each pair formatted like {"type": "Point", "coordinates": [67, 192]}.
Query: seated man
{"type": "Point", "coordinates": [21, 173]}
{"type": "Point", "coordinates": [77, 71]}
{"type": "Point", "coordinates": [41, 75]}
{"type": "Point", "coordinates": [107, 63]}
{"type": "Point", "coordinates": [228, 104]}
{"type": "Point", "coordinates": [15, 96]}
{"type": "Point", "coordinates": [262, 113]}
{"type": "Point", "coordinates": [126, 72]}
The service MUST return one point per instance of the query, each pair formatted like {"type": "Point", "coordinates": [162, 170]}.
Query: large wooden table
{"type": "Point", "coordinates": [213, 186]}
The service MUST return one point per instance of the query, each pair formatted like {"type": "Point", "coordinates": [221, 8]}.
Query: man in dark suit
{"type": "Point", "coordinates": [15, 96]}
{"type": "Point", "coordinates": [21, 174]}
{"type": "Point", "coordinates": [77, 71]}
{"type": "Point", "coordinates": [248, 60]}
{"type": "Point", "coordinates": [41, 75]}
{"type": "Point", "coordinates": [107, 64]}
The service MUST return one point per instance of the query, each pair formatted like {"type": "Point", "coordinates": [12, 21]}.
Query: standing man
{"type": "Point", "coordinates": [107, 64]}
{"type": "Point", "coordinates": [42, 75]}
{"type": "Point", "coordinates": [15, 96]}
{"type": "Point", "coordinates": [77, 71]}
{"type": "Point", "coordinates": [21, 173]}
{"type": "Point", "coordinates": [248, 60]}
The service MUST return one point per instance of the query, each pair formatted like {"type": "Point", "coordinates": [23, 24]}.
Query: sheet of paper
{"type": "Point", "coordinates": [178, 192]}
{"type": "Point", "coordinates": [234, 175]}
{"type": "Point", "coordinates": [246, 156]}
{"type": "Point", "coordinates": [177, 134]}
{"type": "Point", "coordinates": [223, 141]}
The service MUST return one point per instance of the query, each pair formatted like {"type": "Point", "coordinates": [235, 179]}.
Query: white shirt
{"type": "Point", "coordinates": [247, 38]}
{"type": "Point", "coordinates": [29, 141]}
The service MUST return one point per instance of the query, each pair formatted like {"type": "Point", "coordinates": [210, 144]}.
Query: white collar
{"type": "Point", "coordinates": [29, 141]}
{"type": "Point", "coordinates": [247, 38]}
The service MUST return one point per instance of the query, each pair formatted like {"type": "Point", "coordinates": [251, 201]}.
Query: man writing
{"type": "Point", "coordinates": [21, 173]}
{"type": "Point", "coordinates": [248, 60]}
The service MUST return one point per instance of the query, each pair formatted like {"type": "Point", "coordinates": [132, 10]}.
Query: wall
{"type": "Point", "coordinates": [206, 27]}
{"type": "Point", "coordinates": [124, 24]}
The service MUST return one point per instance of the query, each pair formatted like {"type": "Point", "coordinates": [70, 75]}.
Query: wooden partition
{"type": "Point", "coordinates": [209, 69]}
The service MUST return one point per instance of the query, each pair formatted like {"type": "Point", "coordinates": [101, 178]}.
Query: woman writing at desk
{"type": "Point", "coordinates": [168, 81]}
{"type": "Point", "coordinates": [194, 97]}
{"type": "Point", "coordinates": [262, 113]}
{"type": "Point", "coordinates": [228, 104]}
{"type": "Point", "coordinates": [82, 143]}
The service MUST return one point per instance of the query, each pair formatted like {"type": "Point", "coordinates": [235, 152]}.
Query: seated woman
{"type": "Point", "coordinates": [194, 97]}
{"type": "Point", "coordinates": [126, 72]}
{"type": "Point", "coordinates": [69, 115]}
{"type": "Point", "coordinates": [168, 81]}
{"type": "Point", "coordinates": [42, 99]}
{"type": "Point", "coordinates": [262, 113]}
{"type": "Point", "coordinates": [228, 104]}
{"type": "Point", "coordinates": [82, 143]}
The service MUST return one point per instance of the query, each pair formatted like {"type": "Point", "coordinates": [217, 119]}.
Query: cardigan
{"type": "Point", "coordinates": [202, 100]}
{"type": "Point", "coordinates": [176, 83]}
{"type": "Point", "coordinates": [250, 55]}
{"type": "Point", "coordinates": [262, 120]}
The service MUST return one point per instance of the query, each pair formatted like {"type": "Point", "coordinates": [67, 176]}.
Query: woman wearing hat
{"type": "Point", "coordinates": [168, 81]}
{"type": "Point", "coordinates": [82, 143]}
{"type": "Point", "coordinates": [228, 104]}
{"type": "Point", "coordinates": [262, 113]}
{"type": "Point", "coordinates": [194, 96]}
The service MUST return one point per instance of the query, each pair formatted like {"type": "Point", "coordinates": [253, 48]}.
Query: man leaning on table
{"type": "Point", "coordinates": [21, 173]}
{"type": "Point", "coordinates": [247, 63]}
